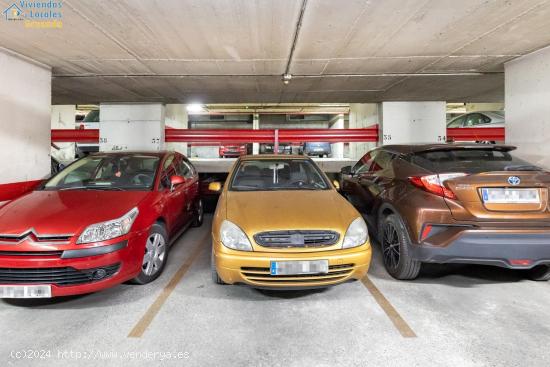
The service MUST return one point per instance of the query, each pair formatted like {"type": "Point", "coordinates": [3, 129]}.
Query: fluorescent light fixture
{"type": "Point", "coordinates": [195, 107]}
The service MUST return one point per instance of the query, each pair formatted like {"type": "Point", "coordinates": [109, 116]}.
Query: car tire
{"type": "Point", "coordinates": [215, 277]}
{"type": "Point", "coordinates": [157, 248]}
{"type": "Point", "coordinates": [539, 273]}
{"type": "Point", "coordinates": [396, 249]}
{"type": "Point", "coordinates": [199, 215]}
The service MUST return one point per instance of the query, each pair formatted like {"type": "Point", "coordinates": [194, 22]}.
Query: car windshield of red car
{"type": "Point", "coordinates": [107, 172]}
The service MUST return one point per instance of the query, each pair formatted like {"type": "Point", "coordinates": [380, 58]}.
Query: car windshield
{"type": "Point", "coordinates": [107, 172]}
{"type": "Point", "coordinates": [470, 161]}
{"type": "Point", "coordinates": [277, 174]}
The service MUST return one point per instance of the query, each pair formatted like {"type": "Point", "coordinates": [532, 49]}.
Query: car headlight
{"type": "Point", "coordinates": [357, 234]}
{"type": "Point", "coordinates": [111, 229]}
{"type": "Point", "coordinates": [233, 237]}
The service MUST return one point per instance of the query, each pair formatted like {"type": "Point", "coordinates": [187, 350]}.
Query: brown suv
{"type": "Point", "coordinates": [453, 203]}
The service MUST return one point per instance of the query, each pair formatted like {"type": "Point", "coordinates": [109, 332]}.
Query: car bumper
{"type": "Point", "coordinates": [253, 268]}
{"type": "Point", "coordinates": [78, 270]}
{"type": "Point", "coordinates": [515, 249]}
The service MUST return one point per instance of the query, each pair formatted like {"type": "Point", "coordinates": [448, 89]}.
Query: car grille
{"type": "Point", "coordinates": [335, 274]}
{"type": "Point", "coordinates": [58, 276]}
{"type": "Point", "coordinates": [287, 239]}
{"type": "Point", "coordinates": [8, 238]}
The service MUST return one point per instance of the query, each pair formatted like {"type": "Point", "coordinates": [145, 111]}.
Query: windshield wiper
{"type": "Point", "coordinates": [108, 188]}
{"type": "Point", "coordinates": [73, 188]}
{"type": "Point", "coordinates": [91, 188]}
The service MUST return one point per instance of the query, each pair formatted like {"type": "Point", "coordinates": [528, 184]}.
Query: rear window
{"type": "Point", "coordinates": [470, 161]}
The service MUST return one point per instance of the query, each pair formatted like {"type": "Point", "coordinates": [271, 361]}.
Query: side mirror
{"type": "Point", "coordinates": [215, 186]}
{"type": "Point", "coordinates": [175, 181]}
{"type": "Point", "coordinates": [346, 170]}
{"type": "Point", "coordinates": [336, 185]}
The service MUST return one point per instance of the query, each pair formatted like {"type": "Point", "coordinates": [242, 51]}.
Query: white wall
{"type": "Point", "coordinates": [413, 122]}
{"type": "Point", "coordinates": [337, 149]}
{"type": "Point", "coordinates": [25, 99]}
{"type": "Point", "coordinates": [177, 118]}
{"type": "Point", "coordinates": [362, 115]}
{"type": "Point", "coordinates": [63, 117]}
{"type": "Point", "coordinates": [131, 126]}
{"type": "Point", "coordinates": [527, 100]}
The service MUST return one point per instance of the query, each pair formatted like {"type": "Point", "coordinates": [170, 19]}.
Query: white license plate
{"type": "Point", "coordinates": [510, 196]}
{"type": "Point", "coordinates": [25, 291]}
{"type": "Point", "coordinates": [299, 267]}
{"type": "Point", "coordinates": [318, 149]}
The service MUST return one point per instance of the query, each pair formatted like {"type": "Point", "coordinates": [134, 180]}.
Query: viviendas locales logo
{"type": "Point", "coordinates": [36, 14]}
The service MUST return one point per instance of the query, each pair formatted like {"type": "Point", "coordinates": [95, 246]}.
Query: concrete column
{"type": "Point", "coordinates": [63, 117]}
{"type": "Point", "coordinates": [362, 115]}
{"type": "Point", "coordinates": [177, 118]}
{"type": "Point", "coordinates": [527, 97]}
{"type": "Point", "coordinates": [131, 126]}
{"type": "Point", "coordinates": [25, 101]}
{"type": "Point", "coordinates": [413, 122]}
{"type": "Point", "coordinates": [256, 126]}
{"type": "Point", "coordinates": [337, 122]}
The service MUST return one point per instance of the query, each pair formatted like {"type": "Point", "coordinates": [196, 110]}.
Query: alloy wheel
{"type": "Point", "coordinates": [155, 252]}
{"type": "Point", "coordinates": [390, 246]}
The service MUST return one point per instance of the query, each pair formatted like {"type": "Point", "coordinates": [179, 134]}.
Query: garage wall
{"type": "Point", "coordinates": [25, 101]}
{"type": "Point", "coordinates": [527, 99]}
{"type": "Point", "coordinates": [413, 122]}
{"type": "Point", "coordinates": [63, 117]}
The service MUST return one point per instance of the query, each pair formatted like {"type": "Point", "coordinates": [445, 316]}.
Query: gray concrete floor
{"type": "Point", "coordinates": [462, 316]}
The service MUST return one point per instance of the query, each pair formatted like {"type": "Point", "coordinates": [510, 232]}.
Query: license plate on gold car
{"type": "Point", "coordinates": [510, 196]}
{"type": "Point", "coordinates": [299, 267]}
{"type": "Point", "coordinates": [25, 291]}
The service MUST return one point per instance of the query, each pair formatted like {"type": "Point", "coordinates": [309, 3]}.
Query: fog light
{"type": "Point", "coordinates": [99, 274]}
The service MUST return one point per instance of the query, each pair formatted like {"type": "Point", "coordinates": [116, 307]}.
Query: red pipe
{"type": "Point", "coordinates": [216, 136]}
{"type": "Point", "coordinates": [75, 135]}
{"type": "Point", "coordinates": [268, 136]}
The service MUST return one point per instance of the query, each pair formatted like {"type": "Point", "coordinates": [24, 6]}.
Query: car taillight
{"type": "Point", "coordinates": [435, 184]}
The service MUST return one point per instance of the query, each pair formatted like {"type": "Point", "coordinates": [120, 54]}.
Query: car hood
{"type": "Point", "coordinates": [65, 212]}
{"type": "Point", "coordinates": [288, 210]}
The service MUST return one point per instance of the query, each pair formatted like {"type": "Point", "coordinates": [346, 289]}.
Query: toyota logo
{"type": "Point", "coordinates": [514, 180]}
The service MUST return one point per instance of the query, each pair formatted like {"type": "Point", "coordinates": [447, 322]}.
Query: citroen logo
{"type": "Point", "coordinates": [514, 180]}
{"type": "Point", "coordinates": [33, 238]}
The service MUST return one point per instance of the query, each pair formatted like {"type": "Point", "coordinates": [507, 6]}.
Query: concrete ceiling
{"type": "Point", "coordinates": [226, 51]}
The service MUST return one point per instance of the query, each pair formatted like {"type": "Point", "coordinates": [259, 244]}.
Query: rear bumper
{"type": "Point", "coordinates": [253, 268]}
{"type": "Point", "coordinates": [512, 249]}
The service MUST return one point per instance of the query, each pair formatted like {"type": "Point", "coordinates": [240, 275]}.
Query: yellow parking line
{"type": "Point", "coordinates": [154, 309]}
{"type": "Point", "coordinates": [399, 323]}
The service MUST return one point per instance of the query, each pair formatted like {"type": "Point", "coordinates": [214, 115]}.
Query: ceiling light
{"type": "Point", "coordinates": [286, 78]}
{"type": "Point", "coordinates": [195, 108]}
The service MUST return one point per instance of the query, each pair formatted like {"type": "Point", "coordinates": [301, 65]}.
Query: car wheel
{"type": "Point", "coordinates": [199, 215]}
{"type": "Point", "coordinates": [155, 255]}
{"type": "Point", "coordinates": [539, 273]}
{"type": "Point", "coordinates": [215, 277]}
{"type": "Point", "coordinates": [396, 249]}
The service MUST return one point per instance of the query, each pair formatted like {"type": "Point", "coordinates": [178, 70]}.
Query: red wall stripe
{"type": "Point", "coordinates": [12, 191]}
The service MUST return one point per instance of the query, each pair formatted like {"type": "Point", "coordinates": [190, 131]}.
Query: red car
{"type": "Point", "coordinates": [105, 219]}
{"type": "Point", "coordinates": [232, 150]}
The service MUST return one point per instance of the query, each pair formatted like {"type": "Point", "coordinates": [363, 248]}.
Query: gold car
{"type": "Point", "coordinates": [280, 223]}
